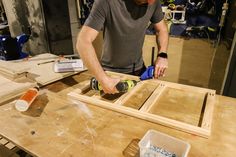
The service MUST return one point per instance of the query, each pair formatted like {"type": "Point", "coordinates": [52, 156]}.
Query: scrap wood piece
{"type": "Point", "coordinates": [16, 68]}
{"type": "Point", "coordinates": [44, 74]}
{"type": "Point", "coordinates": [3, 141]}
{"type": "Point", "coordinates": [6, 143]}
{"type": "Point", "coordinates": [38, 68]}
{"type": "Point", "coordinates": [12, 69]}
{"type": "Point", "coordinates": [5, 152]}
{"type": "Point", "coordinates": [10, 145]}
{"type": "Point", "coordinates": [132, 150]}
{"type": "Point", "coordinates": [10, 89]}
{"type": "Point", "coordinates": [42, 70]}
{"type": "Point", "coordinates": [143, 115]}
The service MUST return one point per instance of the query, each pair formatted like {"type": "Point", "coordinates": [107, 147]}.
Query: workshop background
{"type": "Point", "coordinates": [202, 44]}
{"type": "Point", "coordinates": [197, 28]}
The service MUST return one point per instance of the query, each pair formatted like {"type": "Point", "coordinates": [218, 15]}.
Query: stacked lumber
{"type": "Point", "coordinates": [19, 75]}
{"type": "Point", "coordinates": [12, 70]}
{"type": "Point", "coordinates": [11, 89]}
{"type": "Point", "coordinates": [38, 68]}
{"type": "Point", "coordinates": [42, 71]}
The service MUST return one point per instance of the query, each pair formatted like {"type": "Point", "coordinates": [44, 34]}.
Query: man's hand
{"type": "Point", "coordinates": [160, 67]}
{"type": "Point", "coordinates": [109, 85]}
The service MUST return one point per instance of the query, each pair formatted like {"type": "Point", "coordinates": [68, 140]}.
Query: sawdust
{"type": "Point", "coordinates": [83, 107]}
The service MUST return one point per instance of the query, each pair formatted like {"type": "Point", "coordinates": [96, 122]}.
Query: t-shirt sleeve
{"type": "Point", "coordinates": [157, 15]}
{"type": "Point", "coordinates": [97, 15]}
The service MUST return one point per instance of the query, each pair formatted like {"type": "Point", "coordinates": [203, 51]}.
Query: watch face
{"type": "Point", "coordinates": [163, 55]}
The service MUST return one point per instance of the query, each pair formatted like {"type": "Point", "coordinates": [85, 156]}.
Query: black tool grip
{"type": "Point", "coordinates": [122, 86]}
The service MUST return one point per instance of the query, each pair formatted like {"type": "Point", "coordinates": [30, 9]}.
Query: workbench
{"type": "Point", "coordinates": [57, 126]}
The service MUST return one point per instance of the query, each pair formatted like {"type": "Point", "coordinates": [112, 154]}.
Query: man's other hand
{"type": "Point", "coordinates": [160, 67]}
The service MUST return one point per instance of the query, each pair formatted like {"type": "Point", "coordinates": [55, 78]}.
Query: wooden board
{"type": "Point", "coordinates": [10, 89]}
{"type": "Point", "coordinates": [107, 133]}
{"type": "Point", "coordinates": [12, 70]}
{"type": "Point", "coordinates": [38, 68]}
{"type": "Point", "coordinates": [66, 128]}
{"type": "Point", "coordinates": [15, 69]}
{"type": "Point", "coordinates": [174, 105]}
{"type": "Point", "coordinates": [44, 74]}
{"type": "Point", "coordinates": [140, 96]}
{"type": "Point", "coordinates": [5, 152]}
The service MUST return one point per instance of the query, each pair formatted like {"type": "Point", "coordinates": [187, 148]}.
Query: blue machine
{"type": "Point", "coordinates": [148, 74]}
{"type": "Point", "coordinates": [11, 48]}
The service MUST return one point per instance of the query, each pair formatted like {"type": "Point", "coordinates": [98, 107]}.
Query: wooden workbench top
{"type": "Point", "coordinates": [57, 126]}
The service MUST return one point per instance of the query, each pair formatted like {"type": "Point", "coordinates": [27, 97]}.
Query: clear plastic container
{"type": "Point", "coordinates": [157, 144]}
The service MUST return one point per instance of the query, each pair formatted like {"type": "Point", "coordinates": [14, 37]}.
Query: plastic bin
{"type": "Point", "coordinates": [153, 140]}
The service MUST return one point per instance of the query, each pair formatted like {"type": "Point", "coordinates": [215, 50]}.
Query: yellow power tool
{"type": "Point", "coordinates": [122, 86]}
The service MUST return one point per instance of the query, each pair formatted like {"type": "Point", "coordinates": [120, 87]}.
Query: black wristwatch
{"type": "Point", "coordinates": [162, 55]}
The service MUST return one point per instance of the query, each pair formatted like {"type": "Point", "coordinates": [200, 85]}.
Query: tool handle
{"type": "Point", "coordinates": [122, 86]}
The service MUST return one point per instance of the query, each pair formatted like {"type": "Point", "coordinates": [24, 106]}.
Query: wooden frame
{"type": "Point", "coordinates": [207, 97]}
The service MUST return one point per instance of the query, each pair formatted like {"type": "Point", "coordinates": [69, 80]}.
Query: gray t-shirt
{"type": "Point", "coordinates": [124, 24]}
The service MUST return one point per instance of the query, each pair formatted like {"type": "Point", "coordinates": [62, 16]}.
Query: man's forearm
{"type": "Point", "coordinates": [89, 57]}
{"type": "Point", "coordinates": [87, 53]}
{"type": "Point", "coordinates": [162, 40]}
{"type": "Point", "coordinates": [162, 36]}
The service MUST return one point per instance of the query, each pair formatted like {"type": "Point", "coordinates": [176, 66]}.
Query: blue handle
{"type": "Point", "coordinates": [148, 74]}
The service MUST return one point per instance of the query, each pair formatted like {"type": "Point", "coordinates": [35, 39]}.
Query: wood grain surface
{"type": "Point", "coordinates": [181, 105]}
{"type": "Point", "coordinates": [55, 126]}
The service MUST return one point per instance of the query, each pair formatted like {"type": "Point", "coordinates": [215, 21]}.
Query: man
{"type": "Point", "coordinates": [124, 23]}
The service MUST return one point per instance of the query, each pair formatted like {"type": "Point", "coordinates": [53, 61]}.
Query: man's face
{"type": "Point", "coordinates": [143, 2]}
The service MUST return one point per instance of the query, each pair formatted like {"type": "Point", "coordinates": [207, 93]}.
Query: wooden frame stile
{"type": "Point", "coordinates": [153, 98]}
{"type": "Point", "coordinates": [126, 96]}
{"type": "Point", "coordinates": [202, 129]}
{"type": "Point", "coordinates": [208, 111]}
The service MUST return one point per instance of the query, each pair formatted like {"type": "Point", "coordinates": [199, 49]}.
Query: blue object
{"type": "Point", "coordinates": [180, 2]}
{"type": "Point", "coordinates": [11, 48]}
{"type": "Point", "coordinates": [21, 40]}
{"type": "Point", "coordinates": [148, 74]}
{"type": "Point", "coordinates": [177, 29]}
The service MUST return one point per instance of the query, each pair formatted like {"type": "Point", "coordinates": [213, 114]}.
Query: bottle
{"type": "Point", "coordinates": [23, 103]}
